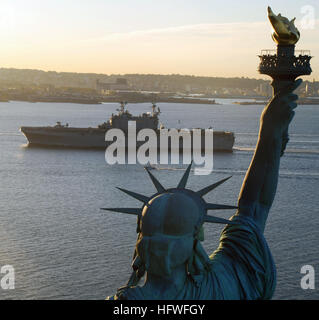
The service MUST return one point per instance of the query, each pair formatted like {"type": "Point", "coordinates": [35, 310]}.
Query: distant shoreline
{"type": "Point", "coordinates": [115, 100]}
{"type": "Point", "coordinates": [163, 100]}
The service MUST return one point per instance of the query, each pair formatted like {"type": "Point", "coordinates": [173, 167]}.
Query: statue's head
{"type": "Point", "coordinates": [170, 228]}
{"type": "Point", "coordinates": [169, 225]}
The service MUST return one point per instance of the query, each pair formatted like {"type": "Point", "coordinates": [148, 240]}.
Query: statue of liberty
{"type": "Point", "coordinates": [170, 223]}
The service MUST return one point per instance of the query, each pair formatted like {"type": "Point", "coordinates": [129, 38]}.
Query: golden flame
{"type": "Point", "coordinates": [286, 32]}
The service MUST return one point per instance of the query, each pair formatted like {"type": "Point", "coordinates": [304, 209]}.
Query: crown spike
{"type": "Point", "coordinates": [214, 206]}
{"type": "Point", "coordinates": [134, 211]}
{"type": "Point", "coordinates": [182, 183]}
{"type": "Point", "coordinates": [135, 195]}
{"type": "Point", "coordinates": [156, 183]}
{"type": "Point", "coordinates": [212, 219]}
{"type": "Point", "coordinates": [205, 190]}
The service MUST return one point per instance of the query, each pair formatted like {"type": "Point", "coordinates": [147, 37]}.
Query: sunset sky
{"type": "Point", "coordinates": [198, 37]}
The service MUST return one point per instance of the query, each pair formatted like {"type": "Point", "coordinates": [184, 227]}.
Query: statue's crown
{"type": "Point", "coordinates": [195, 196]}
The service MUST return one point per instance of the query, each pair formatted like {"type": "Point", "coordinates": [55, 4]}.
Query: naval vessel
{"type": "Point", "coordinates": [71, 137]}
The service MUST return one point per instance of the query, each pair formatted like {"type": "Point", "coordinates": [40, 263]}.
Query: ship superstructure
{"type": "Point", "coordinates": [147, 120]}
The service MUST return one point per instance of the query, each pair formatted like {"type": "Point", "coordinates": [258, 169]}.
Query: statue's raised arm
{"type": "Point", "coordinates": [260, 183]}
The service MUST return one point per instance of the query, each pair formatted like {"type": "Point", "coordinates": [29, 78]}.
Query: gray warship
{"type": "Point", "coordinates": [64, 136]}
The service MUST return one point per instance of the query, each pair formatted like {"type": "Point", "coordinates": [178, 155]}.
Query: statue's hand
{"type": "Point", "coordinates": [279, 112]}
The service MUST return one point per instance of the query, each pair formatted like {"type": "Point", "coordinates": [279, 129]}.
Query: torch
{"type": "Point", "coordinates": [283, 66]}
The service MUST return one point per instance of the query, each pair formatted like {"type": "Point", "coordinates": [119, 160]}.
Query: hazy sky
{"type": "Point", "coordinates": [199, 37]}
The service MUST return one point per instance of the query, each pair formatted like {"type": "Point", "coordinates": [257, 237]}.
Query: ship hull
{"type": "Point", "coordinates": [94, 138]}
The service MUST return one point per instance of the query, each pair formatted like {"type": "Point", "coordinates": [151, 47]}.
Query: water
{"type": "Point", "coordinates": [63, 247]}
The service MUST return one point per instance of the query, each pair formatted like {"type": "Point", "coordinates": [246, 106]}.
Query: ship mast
{"type": "Point", "coordinates": [154, 112]}
{"type": "Point", "coordinates": [122, 107]}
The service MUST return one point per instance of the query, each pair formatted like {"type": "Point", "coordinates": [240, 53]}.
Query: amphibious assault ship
{"type": "Point", "coordinates": [70, 137]}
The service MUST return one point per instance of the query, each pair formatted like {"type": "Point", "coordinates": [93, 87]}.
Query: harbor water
{"type": "Point", "coordinates": [62, 246]}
